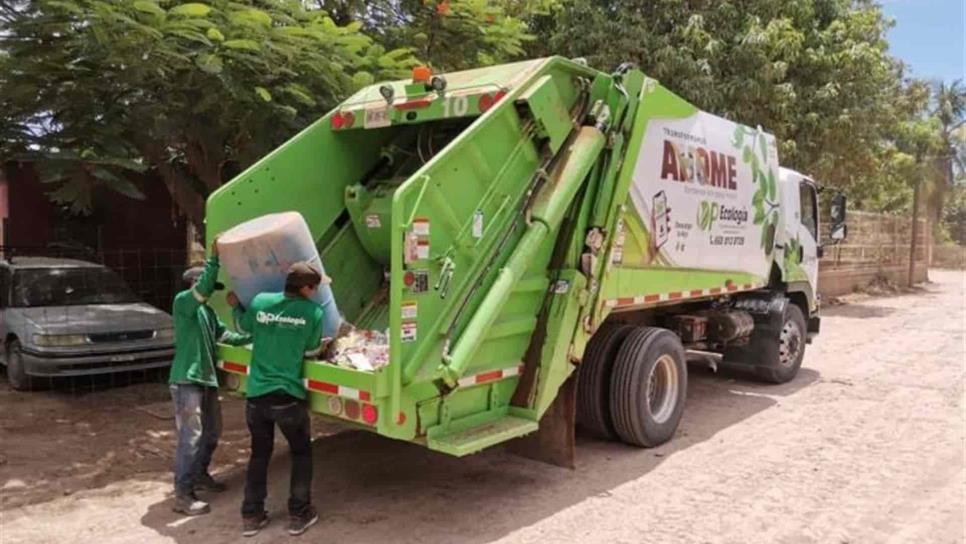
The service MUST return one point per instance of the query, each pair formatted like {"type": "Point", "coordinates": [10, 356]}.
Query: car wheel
{"type": "Point", "coordinates": [16, 374]}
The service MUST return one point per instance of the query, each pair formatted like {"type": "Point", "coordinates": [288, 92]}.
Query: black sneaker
{"type": "Point", "coordinates": [190, 505]}
{"type": "Point", "coordinates": [298, 524]}
{"type": "Point", "coordinates": [206, 483]}
{"type": "Point", "coordinates": [253, 524]}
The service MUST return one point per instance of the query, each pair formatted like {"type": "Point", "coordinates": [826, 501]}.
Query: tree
{"type": "Point", "coordinates": [816, 74]}
{"type": "Point", "coordinates": [93, 89]}
{"type": "Point", "coordinates": [949, 109]}
{"type": "Point", "coordinates": [447, 34]}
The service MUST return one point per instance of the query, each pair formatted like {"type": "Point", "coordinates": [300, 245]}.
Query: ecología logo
{"type": "Point", "coordinates": [711, 212]}
{"type": "Point", "coordinates": [265, 318]}
{"type": "Point", "coordinates": [706, 214]}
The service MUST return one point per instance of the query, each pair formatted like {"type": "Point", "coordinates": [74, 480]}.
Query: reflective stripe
{"type": "Point", "coordinates": [198, 296]}
{"type": "Point", "coordinates": [490, 376]}
{"type": "Point", "coordinates": [640, 300]}
{"type": "Point", "coordinates": [335, 389]}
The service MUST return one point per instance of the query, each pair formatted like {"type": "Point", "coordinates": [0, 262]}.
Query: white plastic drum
{"type": "Point", "coordinates": [257, 254]}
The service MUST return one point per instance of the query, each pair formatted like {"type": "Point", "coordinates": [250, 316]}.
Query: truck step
{"type": "Point", "coordinates": [474, 439]}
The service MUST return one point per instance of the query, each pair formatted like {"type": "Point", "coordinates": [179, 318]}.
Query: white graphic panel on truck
{"type": "Point", "coordinates": [700, 187]}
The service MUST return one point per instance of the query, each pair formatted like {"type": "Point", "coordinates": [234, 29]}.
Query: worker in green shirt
{"type": "Point", "coordinates": [194, 384]}
{"type": "Point", "coordinates": [286, 328]}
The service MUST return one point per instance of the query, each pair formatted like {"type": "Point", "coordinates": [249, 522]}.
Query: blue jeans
{"type": "Point", "coordinates": [197, 414]}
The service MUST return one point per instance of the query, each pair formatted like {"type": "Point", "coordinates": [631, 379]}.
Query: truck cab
{"type": "Point", "coordinates": [800, 246]}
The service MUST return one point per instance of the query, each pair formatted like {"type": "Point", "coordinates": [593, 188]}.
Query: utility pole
{"type": "Point", "coordinates": [914, 231]}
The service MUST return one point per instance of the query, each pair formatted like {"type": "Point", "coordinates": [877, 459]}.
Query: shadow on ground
{"type": "Point", "coordinates": [88, 432]}
{"type": "Point", "coordinates": [373, 489]}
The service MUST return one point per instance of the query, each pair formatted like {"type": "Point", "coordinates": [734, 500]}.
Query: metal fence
{"type": "Point", "coordinates": [877, 248]}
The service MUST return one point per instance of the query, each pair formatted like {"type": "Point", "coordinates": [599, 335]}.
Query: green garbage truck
{"type": "Point", "coordinates": [544, 245]}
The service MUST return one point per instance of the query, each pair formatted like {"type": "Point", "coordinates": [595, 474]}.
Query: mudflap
{"type": "Point", "coordinates": [554, 442]}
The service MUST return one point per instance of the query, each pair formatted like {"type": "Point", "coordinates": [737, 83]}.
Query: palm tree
{"type": "Point", "coordinates": [949, 109]}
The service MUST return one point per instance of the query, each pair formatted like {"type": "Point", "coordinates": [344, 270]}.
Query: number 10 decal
{"type": "Point", "coordinates": [455, 106]}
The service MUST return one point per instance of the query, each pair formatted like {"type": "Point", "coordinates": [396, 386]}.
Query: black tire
{"type": "Point", "coordinates": [16, 374]}
{"type": "Point", "coordinates": [650, 363]}
{"type": "Point", "coordinates": [781, 361]}
{"type": "Point", "coordinates": [593, 379]}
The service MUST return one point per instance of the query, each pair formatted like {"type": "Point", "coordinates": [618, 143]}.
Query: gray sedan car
{"type": "Point", "coordinates": [64, 317]}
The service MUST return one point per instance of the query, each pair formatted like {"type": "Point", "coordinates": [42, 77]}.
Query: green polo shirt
{"type": "Point", "coordinates": [285, 330]}
{"type": "Point", "coordinates": [197, 330]}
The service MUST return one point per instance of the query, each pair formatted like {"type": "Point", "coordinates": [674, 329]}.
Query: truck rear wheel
{"type": "Point", "coordinates": [594, 375]}
{"type": "Point", "coordinates": [648, 387]}
{"type": "Point", "coordinates": [782, 361]}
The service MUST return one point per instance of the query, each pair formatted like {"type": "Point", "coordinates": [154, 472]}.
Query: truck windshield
{"type": "Point", "coordinates": [69, 287]}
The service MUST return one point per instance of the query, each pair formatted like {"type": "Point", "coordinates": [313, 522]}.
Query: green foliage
{"type": "Point", "coordinates": [816, 74]}
{"type": "Point", "coordinates": [195, 90]}
{"type": "Point", "coordinates": [447, 34]}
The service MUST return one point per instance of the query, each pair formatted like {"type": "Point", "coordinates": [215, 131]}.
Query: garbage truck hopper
{"type": "Point", "coordinates": [437, 205]}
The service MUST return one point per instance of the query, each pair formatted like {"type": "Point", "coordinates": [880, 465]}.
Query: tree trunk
{"type": "Point", "coordinates": [914, 232]}
{"type": "Point", "coordinates": [188, 201]}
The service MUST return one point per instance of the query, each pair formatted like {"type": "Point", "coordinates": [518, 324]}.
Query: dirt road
{"type": "Point", "coordinates": [866, 445]}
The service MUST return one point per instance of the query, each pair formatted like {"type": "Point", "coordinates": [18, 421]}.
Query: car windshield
{"type": "Point", "coordinates": [69, 287]}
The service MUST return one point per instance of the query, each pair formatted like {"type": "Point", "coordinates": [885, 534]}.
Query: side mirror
{"type": "Point", "coordinates": [839, 232]}
{"type": "Point", "coordinates": [837, 214]}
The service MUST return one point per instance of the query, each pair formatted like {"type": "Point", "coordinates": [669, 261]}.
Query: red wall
{"type": "Point", "coordinates": [143, 240]}
{"type": "Point", "coordinates": [30, 213]}
{"type": "Point", "coordinates": [115, 222]}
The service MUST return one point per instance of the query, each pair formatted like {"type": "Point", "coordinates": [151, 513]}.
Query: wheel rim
{"type": "Point", "coordinates": [662, 388]}
{"type": "Point", "coordinates": [790, 345]}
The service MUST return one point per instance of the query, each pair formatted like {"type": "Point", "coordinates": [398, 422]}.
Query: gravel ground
{"type": "Point", "coordinates": [866, 445]}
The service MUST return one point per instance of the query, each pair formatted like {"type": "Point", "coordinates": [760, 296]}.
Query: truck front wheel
{"type": "Point", "coordinates": [648, 387]}
{"type": "Point", "coordinates": [783, 360]}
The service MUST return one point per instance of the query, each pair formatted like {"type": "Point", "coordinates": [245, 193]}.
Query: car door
{"type": "Point", "coordinates": [808, 230]}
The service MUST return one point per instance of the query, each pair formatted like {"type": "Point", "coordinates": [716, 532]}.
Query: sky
{"type": "Point", "coordinates": [929, 36]}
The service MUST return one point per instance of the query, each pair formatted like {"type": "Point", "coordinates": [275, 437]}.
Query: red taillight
{"type": "Point", "coordinates": [351, 408]}
{"type": "Point", "coordinates": [343, 119]}
{"type": "Point", "coordinates": [369, 414]}
{"type": "Point", "coordinates": [409, 279]}
{"type": "Point", "coordinates": [414, 105]}
{"type": "Point", "coordinates": [487, 101]}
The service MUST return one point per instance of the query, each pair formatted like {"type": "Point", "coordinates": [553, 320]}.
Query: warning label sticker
{"type": "Point", "coordinates": [408, 332]}
{"type": "Point", "coordinates": [409, 309]}
{"type": "Point", "coordinates": [372, 221]}
{"type": "Point", "coordinates": [421, 226]}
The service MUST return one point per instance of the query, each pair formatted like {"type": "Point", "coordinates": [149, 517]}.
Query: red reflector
{"type": "Point", "coordinates": [489, 376]}
{"type": "Point", "coordinates": [414, 105]}
{"type": "Point", "coordinates": [369, 414]}
{"type": "Point", "coordinates": [235, 367]}
{"type": "Point", "coordinates": [488, 100]}
{"type": "Point", "coordinates": [409, 279]}
{"type": "Point", "coordinates": [351, 409]}
{"type": "Point", "coordinates": [401, 418]}
{"type": "Point", "coordinates": [343, 120]}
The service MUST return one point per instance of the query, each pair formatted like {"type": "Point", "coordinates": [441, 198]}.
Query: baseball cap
{"type": "Point", "coordinates": [192, 274]}
{"type": "Point", "coordinates": [303, 274]}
